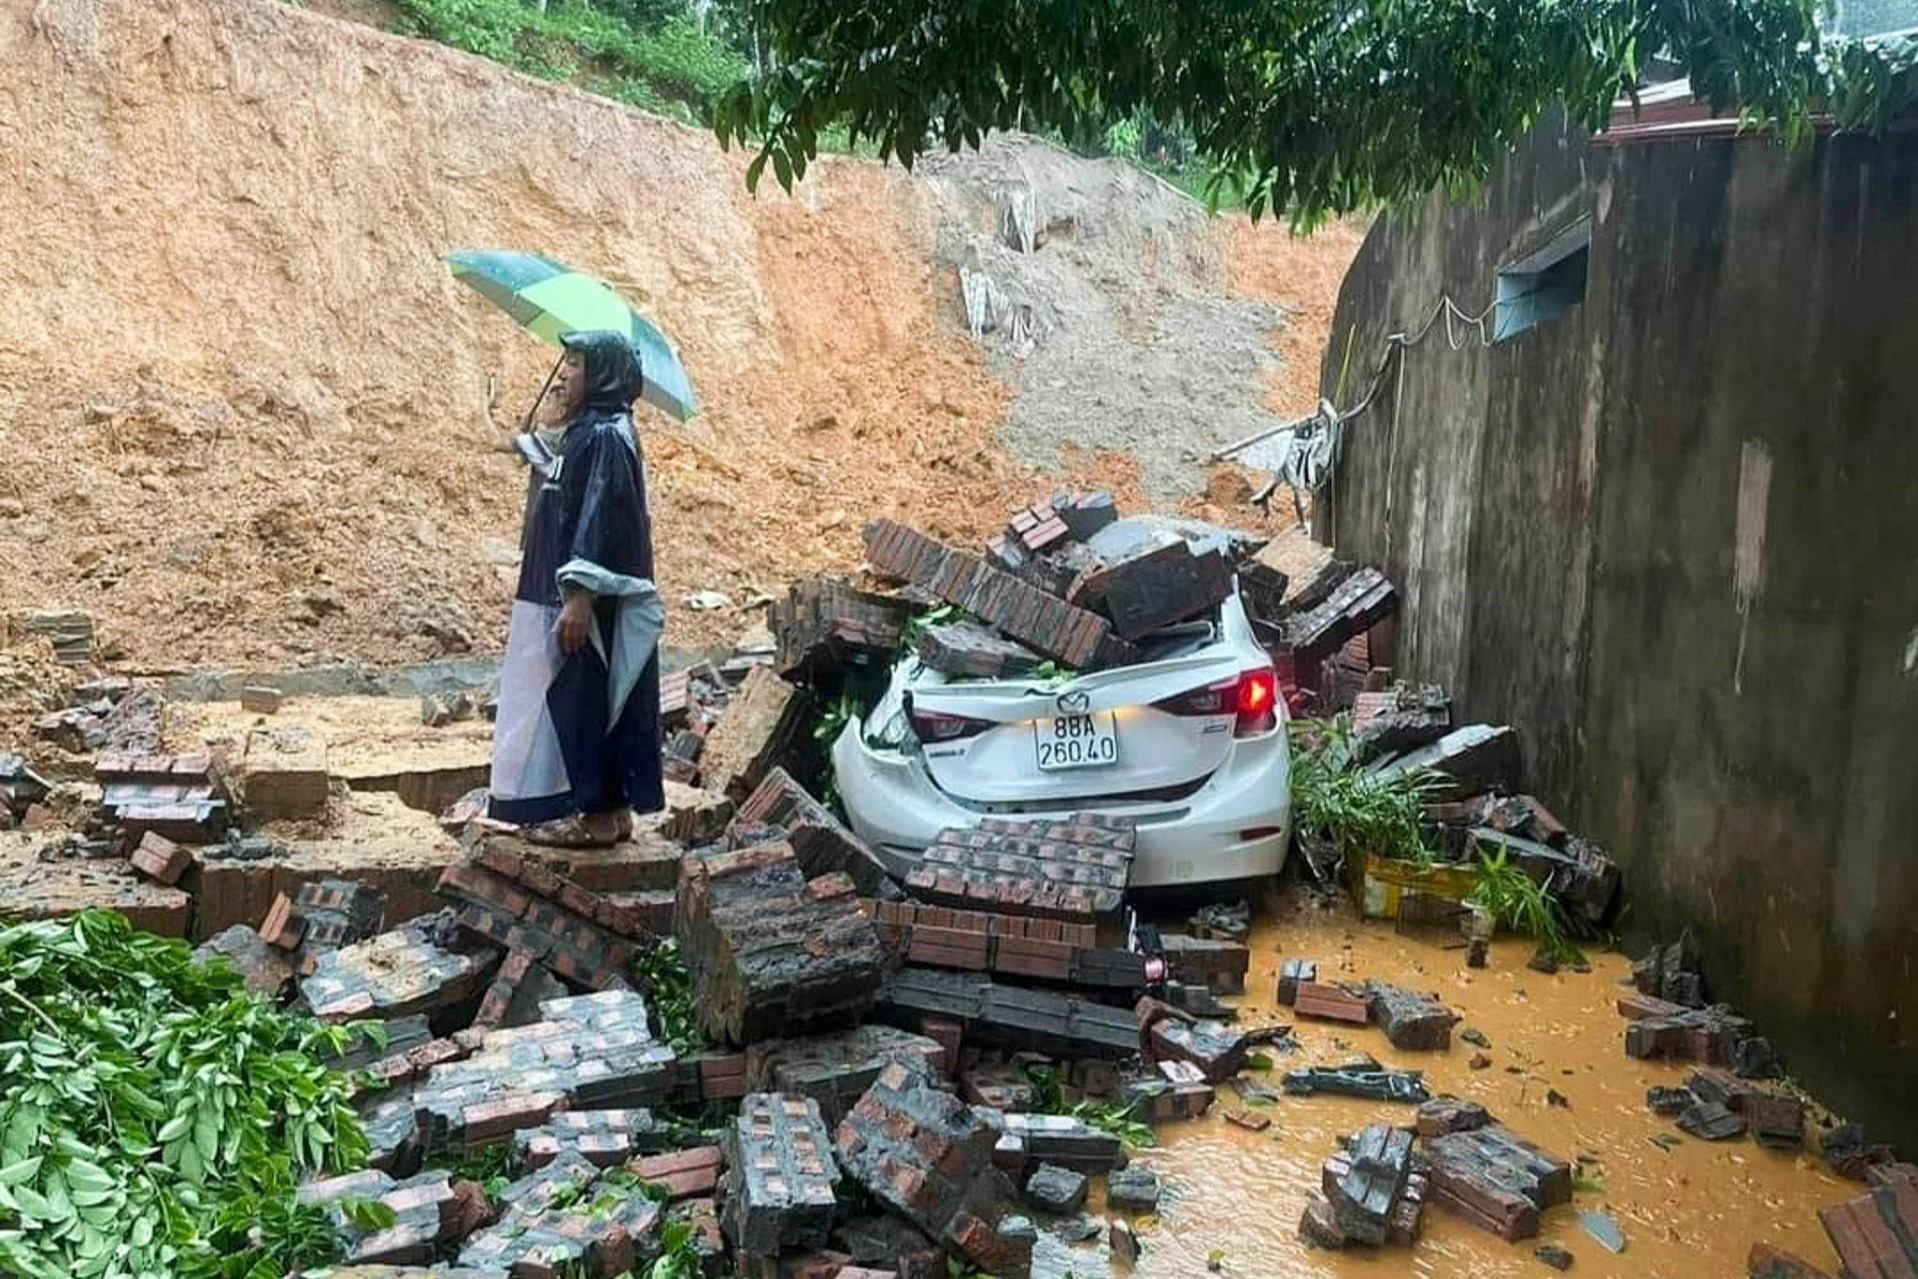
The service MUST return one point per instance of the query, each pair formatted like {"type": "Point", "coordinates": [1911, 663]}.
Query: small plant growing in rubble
{"type": "Point", "coordinates": [1120, 1120]}
{"type": "Point", "coordinates": [1518, 902]}
{"type": "Point", "coordinates": [668, 986]}
{"type": "Point", "coordinates": [1360, 812]}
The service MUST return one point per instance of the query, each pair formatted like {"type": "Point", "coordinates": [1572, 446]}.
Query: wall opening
{"type": "Point", "coordinates": [1546, 282]}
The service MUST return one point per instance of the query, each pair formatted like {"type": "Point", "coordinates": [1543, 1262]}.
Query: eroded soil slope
{"type": "Point", "coordinates": [252, 420]}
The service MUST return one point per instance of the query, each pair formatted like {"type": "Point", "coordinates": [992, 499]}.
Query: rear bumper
{"type": "Point", "coordinates": [1216, 834]}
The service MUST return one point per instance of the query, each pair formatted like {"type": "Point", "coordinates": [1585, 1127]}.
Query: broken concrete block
{"type": "Point", "coordinates": [1670, 972]}
{"type": "Point", "coordinates": [1074, 870]}
{"type": "Point", "coordinates": [752, 736]}
{"type": "Point", "coordinates": [1157, 588]}
{"type": "Point", "coordinates": [1327, 1002]}
{"type": "Point", "coordinates": [1444, 1115]}
{"type": "Point", "coordinates": [770, 952]}
{"type": "Point", "coordinates": [1410, 1020]}
{"type": "Point", "coordinates": [1065, 1140]}
{"type": "Point", "coordinates": [1135, 1187]}
{"type": "Point", "coordinates": [1496, 1181]}
{"type": "Point", "coordinates": [1711, 1121]}
{"type": "Point", "coordinates": [779, 1176]}
{"type": "Point", "coordinates": [392, 975]}
{"type": "Point", "coordinates": [997, 1083]}
{"type": "Point", "coordinates": [1776, 1121]}
{"type": "Point", "coordinates": [1294, 973]}
{"type": "Point", "coordinates": [834, 1070]}
{"type": "Point", "coordinates": [266, 969]}
{"type": "Point", "coordinates": [1365, 1183]}
{"type": "Point", "coordinates": [1218, 965]}
{"type": "Point", "coordinates": [1056, 1190]}
{"type": "Point", "coordinates": [1767, 1262]}
{"type": "Point", "coordinates": [927, 1156]}
{"type": "Point", "coordinates": [967, 650]}
{"type": "Point", "coordinates": [1214, 1048]}
{"type": "Point", "coordinates": [1012, 1017]}
{"type": "Point", "coordinates": [283, 776]}
{"type": "Point", "coordinates": [1362, 1078]}
{"type": "Point", "coordinates": [818, 840]}
{"type": "Point", "coordinates": [1469, 761]}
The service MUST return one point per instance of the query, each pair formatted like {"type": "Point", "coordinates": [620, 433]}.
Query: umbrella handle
{"type": "Point", "coordinates": [545, 386]}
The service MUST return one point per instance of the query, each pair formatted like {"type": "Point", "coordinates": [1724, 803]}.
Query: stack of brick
{"type": "Point", "coordinates": [1215, 1049]}
{"type": "Point", "coordinates": [999, 1084]}
{"type": "Point", "coordinates": [695, 817]}
{"type": "Point", "coordinates": [1359, 602]}
{"type": "Point", "coordinates": [428, 1210]}
{"type": "Point", "coordinates": [515, 902]}
{"type": "Point", "coordinates": [819, 840]}
{"type": "Point", "coordinates": [1059, 570]}
{"type": "Point", "coordinates": [1220, 966]}
{"type": "Point", "coordinates": [1037, 527]}
{"type": "Point", "coordinates": [770, 952]}
{"type": "Point", "coordinates": [1371, 1192]}
{"type": "Point", "coordinates": [1013, 945]}
{"type": "Point", "coordinates": [556, 1224]}
{"type": "Point", "coordinates": [394, 974]}
{"type": "Point", "coordinates": [780, 1178]}
{"type": "Point", "coordinates": [1583, 880]}
{"type": "Point", "coordinates": [1075, 869]}
{"type": "Point", "coordinates": [1410, 1020]}
{"type": "Point", "coordinates": [1011, 1017]}
{"type": "Point", "coordinates": [1157, 587]}
{"type": "Point", "coordinates": [405, 1062]}
{"type": "Point", "coordinates": [1496, 1181]}
{"type": "Point", "coordinates": [175, 796]}
{"type": "Point", "coordinates": [824, 625]}
{"type": "Point", "coordinates": [834, 1070]}
{"type": "Point", "coordinates": [519, 987]}
{"type": "Point", "coordinates": [589, 1052]}
{"type": "Point", "coordinates": [759, 727]}
{"type": "Point", "coordinates": [1262, 590]}
{"type": "Point", "coordinates": [1065, 1141]}
{"type": "Point", "coordinates": [1397, 720]}
{"type": "Point", "coordinates": [323, 916]}
{"type": "Point", "coordinates": [1082, 640]}
{"type": "Point", "coordinates": [1662, 1031]}
{"type": "Point", "coordinates": [927, 1156]}
{"type": "Point", "coordinates": [1874, 1234]}
{"type": "Point", "coordinates": [1175, 1090]}
{"type": "Point", "coordinates": [68, 630]}
{"type": "Point", "coordinates": [1671, 973]}
{"type": "Point", "coordinates": [1468, 761]}
{"type": "Point", "coordinates": [967, 650]}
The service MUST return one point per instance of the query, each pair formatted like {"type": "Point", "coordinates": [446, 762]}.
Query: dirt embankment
{"type": "Point", "coordinates": [252, 420]}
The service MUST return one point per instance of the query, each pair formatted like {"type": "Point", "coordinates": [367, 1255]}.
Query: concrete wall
{"type": "Point", "coordinates": [1672, 535]}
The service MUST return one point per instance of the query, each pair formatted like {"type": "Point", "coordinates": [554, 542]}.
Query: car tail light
{"type": "Point", "coordinates": [1213, 699]}
{"type": "Point", "coordinates": [1257, 702]}
{"type": "Point", "coordinates": [932, 726]}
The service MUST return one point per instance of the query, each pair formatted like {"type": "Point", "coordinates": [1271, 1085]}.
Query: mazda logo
{"type": "Point", "coordinates": [1074, 703]}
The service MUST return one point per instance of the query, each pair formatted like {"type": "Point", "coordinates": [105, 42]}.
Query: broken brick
{"type": "Point", "coordinates": [1294, 973]}
{"type": "Point", "coordinates": [758, 727]}
{"type": "Point", "coordinates": [160, 859]}
{"type": "Point", "coordinates": [1410, 1020]}
{"type": "Point", "coordinates": [1767, 1262]}
{"type": "Point", "coordinates": [391, 975]}
{"type": "Point", "coordinates": [835, 1069]}
{"type": "Point", "coordinates": [819, 840]}
{"type": "Point", "coordinates": [1324, 1001]}
{"type": "Point", "coordinates": [1496, 1181]}
{"type": "Point", "coordinates": [1220, 966]}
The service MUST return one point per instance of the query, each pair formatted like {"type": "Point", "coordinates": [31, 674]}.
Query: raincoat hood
{"type": "Point", "coordinates": [611, 373]}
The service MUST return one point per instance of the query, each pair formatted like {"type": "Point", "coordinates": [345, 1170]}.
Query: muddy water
{"type": "Point", "coordinates": [1235, 1196]}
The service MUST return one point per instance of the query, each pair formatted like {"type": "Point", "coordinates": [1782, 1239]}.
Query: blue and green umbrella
{"type": "Point", "coordinates": [550, 299]}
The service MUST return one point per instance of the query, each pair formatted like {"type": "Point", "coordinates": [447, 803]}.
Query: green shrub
{"type": "Point", "coordinates": [1360, 812]}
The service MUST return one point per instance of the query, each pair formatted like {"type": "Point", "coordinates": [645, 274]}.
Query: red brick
{"type": "Point", "coordinates": [160, 859]}
{"type": "Point", "coordinates": [1330, 1003]}
{"type": "Point", "coordinates": [283, 927]}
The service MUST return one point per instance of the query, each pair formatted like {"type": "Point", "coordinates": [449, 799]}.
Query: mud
{"type": "Point", "coordinates": [1693, 1210]}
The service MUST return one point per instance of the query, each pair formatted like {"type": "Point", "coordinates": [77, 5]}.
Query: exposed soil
{"type": "Point", "coordinates": [255, 422]}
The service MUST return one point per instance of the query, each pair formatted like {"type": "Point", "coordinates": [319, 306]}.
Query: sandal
{"type": "Point", "coordinates": [566, 832]}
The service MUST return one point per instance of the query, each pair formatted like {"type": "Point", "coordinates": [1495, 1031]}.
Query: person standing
{"type": "Point", "coordinates": [576, 744]}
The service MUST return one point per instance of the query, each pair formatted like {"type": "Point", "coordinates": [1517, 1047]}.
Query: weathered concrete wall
{"type": "Point", "coordinates": [1672, 535]}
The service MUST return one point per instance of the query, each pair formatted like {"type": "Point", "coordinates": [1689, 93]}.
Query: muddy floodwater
{"type": "Point", "coordinates": [1234, 1197]}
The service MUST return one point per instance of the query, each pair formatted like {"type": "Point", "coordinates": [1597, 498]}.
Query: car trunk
{"type": "Point", "coordinates": [1159, 726]}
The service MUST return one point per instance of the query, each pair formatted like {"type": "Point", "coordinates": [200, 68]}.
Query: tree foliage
{"type": "Point", "coordinates": [1315, 107]}
{"type": "Point", "coordinates": [154, 1117]}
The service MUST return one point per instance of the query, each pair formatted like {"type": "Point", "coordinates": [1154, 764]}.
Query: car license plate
{"type": "Point", "coordinates": [1078, 741]}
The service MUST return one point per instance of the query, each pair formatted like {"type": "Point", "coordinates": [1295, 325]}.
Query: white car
{"type": "Point", "coordinates": [1190, 742]}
